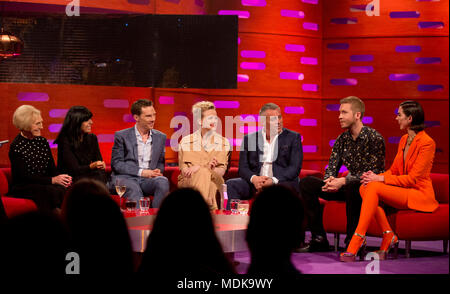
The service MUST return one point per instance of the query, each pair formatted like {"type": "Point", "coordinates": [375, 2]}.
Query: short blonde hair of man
{"type": "Point", "coordinates": [356, 103]}
{"type": "Point", "coordinates": [202, 106]}
{"type": "Point", "coordinates": [24, 117]}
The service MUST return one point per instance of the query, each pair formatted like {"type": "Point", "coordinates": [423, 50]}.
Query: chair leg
{"type": "Point", "coordinates": [336, 242]}
{"type": "Point", "coordinates": [408, 248]}
{"type": "Point", "coordinates": [445, 243]}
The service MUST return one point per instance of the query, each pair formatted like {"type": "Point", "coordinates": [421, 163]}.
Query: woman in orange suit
{"type": "Point", "coordinates": [406, 185]}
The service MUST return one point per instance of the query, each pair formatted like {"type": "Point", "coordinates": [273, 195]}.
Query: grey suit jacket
{"type": "Point", "coordinates": [124, 156]}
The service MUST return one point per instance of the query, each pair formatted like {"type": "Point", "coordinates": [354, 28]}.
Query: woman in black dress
{"type": "Point", "coordinates": [78, 151]}
{"type": "Point", "coordinates": [33, 170]}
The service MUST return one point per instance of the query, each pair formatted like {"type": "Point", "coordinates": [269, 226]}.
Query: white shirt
{"type": "Point", "coordinates": [144, 150]}
{"type": "Point", "coordinates": [270, 152]}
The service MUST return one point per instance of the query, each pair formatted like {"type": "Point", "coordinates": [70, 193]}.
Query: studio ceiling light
{"type": "Point", "coordinates": [10, 45]}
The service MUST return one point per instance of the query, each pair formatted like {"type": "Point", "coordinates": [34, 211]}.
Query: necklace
{"type": "Point", "coordinates": [410, 139]}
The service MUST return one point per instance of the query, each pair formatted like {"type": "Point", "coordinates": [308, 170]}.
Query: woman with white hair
{"type": "Point", "coordinates": [34, 174]}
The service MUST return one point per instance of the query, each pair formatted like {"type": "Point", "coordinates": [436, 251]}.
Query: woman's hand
{"type": "Point", "coordinates": [63, 180]}
{"type": "Point", "coordinates": [370, 176]}
{"type": "Point", "coordinates": [213, 163]}
{"type": "Point", "coordinates": [189, 171]}
{"type": "Point", "coordinates": [97, 165]}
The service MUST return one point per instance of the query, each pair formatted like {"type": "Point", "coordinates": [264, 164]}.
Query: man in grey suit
{"type": "Point", "coordinates": [137, 158]}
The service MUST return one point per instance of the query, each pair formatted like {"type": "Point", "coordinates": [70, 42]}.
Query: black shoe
{"type": "Point", "coordinates": [317, 244]}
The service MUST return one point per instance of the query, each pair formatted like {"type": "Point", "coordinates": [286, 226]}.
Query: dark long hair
{"type": "Point", "coordinates": [414, 109]}
{"type": "Point", "coordinates": [71, 128]}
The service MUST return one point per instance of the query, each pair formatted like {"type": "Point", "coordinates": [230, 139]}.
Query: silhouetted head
{"type": "Point", "coordinates": [98, 229]}
{"type": "Point", "coordinates": [183, 239]}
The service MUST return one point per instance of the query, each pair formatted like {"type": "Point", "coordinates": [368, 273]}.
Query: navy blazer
{"type": "Point", "coordinates": [124, 156]}
{"type": "Point", "coordinates": [289, 158]}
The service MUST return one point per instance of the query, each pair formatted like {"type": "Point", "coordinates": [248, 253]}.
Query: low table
{"type": "Point", "coordinates": [230, 229]}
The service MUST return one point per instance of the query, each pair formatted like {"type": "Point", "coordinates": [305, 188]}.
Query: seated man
{"type": "Point", "coordinates": [270, 156]}
{"type": "Point", "coordinates": [137, 158]}
{"type": "Point", "coordinates": [360, 149]}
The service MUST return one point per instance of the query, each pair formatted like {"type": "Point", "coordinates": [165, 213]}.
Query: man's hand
{"type": "Point", "coordinates": [258, 181]}
{"type": "Point", "coordinates": [151, 173]}
{"type": "Point", "coordinates": [267, 183]}
{"type": "Point", "coordinates": [333, 184]}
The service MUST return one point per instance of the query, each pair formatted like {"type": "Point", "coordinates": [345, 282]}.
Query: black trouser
{"type": "Point", "coordinates": [46, 197]}
{"type": "Point", "coordinates": [311, 190]}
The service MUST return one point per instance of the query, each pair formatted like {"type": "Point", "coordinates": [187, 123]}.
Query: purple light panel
{"type": "Point", "coordinates": [344, 82]}
{"type": "Point", "coordinates": [52, 144]}
{"type": "Point", "coordinates": [115, 103]}
{"type": "Point", "coordinates": [431, 25]}
{"type": "Point", "coordinates": [294, 110]}
{"type": "Point", "coordinates": [361, 69]}
{"type": "Point", "coordinates": [166, 100]}
{"type": "Point", "coordinates": [333, 107]}
{"type": "Point", "coordinates": [331, 143]}
{"type": "Point", "coordinates": [242, 78]}
{"type": "Point", "coordinates": [128, 118]}
{"type": "Point", "coordinates": [258, 3]}
{"type": "Point", "coordinates": [311, 26]}
{"type": "Point", "coordinates": [226, 104]}
{"type": "Point", "coordinates": [239, 13]}
{"type": "Point", "coordinates": [367, 120]}
{"type": "Point", "coordinates": [310, 87]}
{"type": "Point", "coordinates": [428, 60]}
{"type": "Point", "coordinates": [430, 88]}
{"type": "Point", "coordinates": [249, 117]}
{"type": "Point", "coordinates": [141, 2]}
{"type": "Point", "coordinates": [404, 14]}
{"type": "Point", "coordinates": [291, 76]}
{"type": "Point", "coordinates": [311, 1]}
{"type": "Point", "coordinates": [200, 3]}
{"type": "Point", "coordinates": [394, 140]}
{"type": "Point", "coordinates": [253, 54]}
{"type": "Point", "coordinates": [407, 48]}
{"type": "Point", "coordinates": [58, 113]}
{"type": "Point", "coordinates": [173, 1]}
{"type": "Point", "coordinates": [344, 20]}
{"type": "Point", "coordinates": [105, 138]}
{"type": "Point", "coordinates": [310, 148]}
{"type": "Point", "coordinates": [295, 48]}
{"type": "Point", "coordinates": [235, 142]}
{"type": "Point", "coordinates": [404, 77]}
{"type": "Point", "coordinates": [309, 60]}
{"type": "Point", "coordinates": [338, 46]}
{"type": "Point", "coordinates": [308, 122]}
{"type": "Point", "coordinates": [431, 124]}
{"type": "Point", "coordinates": [292, 13]}
{"type": "Point", "coordinates": [33, 96]}
{"type": "Point", "coordinates": [54, 128]}
{"type": "Point", "coordinates": [361, 57]}
{"type": "Point", "coordinates": [249, 129]}
{"type": "Point", "coordinates": [253, 65]}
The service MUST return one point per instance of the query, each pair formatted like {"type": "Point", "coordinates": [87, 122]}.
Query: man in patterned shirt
{"type": "Point", "coordinates": [359, 149]}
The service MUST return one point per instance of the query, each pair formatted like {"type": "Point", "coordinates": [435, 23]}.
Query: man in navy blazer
{"type": "Point", "coordinates": [137, 159]}
{"type": "Point", "coordinates": [270, 156]}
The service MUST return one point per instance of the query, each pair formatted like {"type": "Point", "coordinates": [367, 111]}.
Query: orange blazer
{"type": "Point", "coordinates": [414, 173]}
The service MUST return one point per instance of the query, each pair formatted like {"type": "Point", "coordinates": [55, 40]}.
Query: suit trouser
{"type": "Point", "coordinates": [311, 190]}
{"type": "Point", "coordinates": [239, 188]}
{"type": "Point", "coordinates": [137, 187]}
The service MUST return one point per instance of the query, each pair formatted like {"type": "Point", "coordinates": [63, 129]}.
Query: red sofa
{"type": "Point", "coordinates": [409, 225]}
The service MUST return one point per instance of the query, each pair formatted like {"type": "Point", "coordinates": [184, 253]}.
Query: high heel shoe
{"type": "Point", "coordinates": [386, 245]}
{"type": "Point", "coordinates": [350, 256]}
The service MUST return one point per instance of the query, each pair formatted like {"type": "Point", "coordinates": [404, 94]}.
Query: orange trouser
{"type": "Point", "coordinates": [371, 195]}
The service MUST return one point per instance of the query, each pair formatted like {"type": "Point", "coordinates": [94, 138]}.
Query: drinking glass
{"type": "Point", "coordinates": [234, 205]}
{"type": "Point", "coordinates": [121, 188]}
{"type": "Point", "coordinates": [243, 207]}
{"type": "Point", "coordinates": [144, 203]}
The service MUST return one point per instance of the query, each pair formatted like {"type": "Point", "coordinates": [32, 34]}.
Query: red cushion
{"type": "Point", "coordinates": [16, 206]}
{"type": "Point", "coordinates": [310, 172]}
{"type": "Point", "coordinates": [3, 183]}
{"type": "Point", "coordinates": [440, 186]}
{"type": "Point", "coordinates": [414, 225]}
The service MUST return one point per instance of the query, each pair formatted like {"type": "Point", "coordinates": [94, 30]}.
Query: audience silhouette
{"type": "Point", "coordinates": [97, 230]}
{"type": "Point", "coordinates": [183, 243]}
{"type": "Point", "coordinates": [274, 231]}
{"type": "Point", "coordinates": [33, 244]}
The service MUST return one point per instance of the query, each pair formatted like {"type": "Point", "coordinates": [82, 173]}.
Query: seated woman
{"type": "Point", "coordinates": [78, 151]}
{"type": "Point", "coordinates": [203, 155]}
{"type": "Point", "coordinates": [406, 185]}
{"type": "Point", "coordinates": [33, 169]}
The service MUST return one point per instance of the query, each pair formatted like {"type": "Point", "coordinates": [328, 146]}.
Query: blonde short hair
{"type": "Point", "coordinates": [24, 116]}
{"type": "Point", "coordinates": [202, 106]}
{"type": "Point", "coordinates": [357, 104]}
